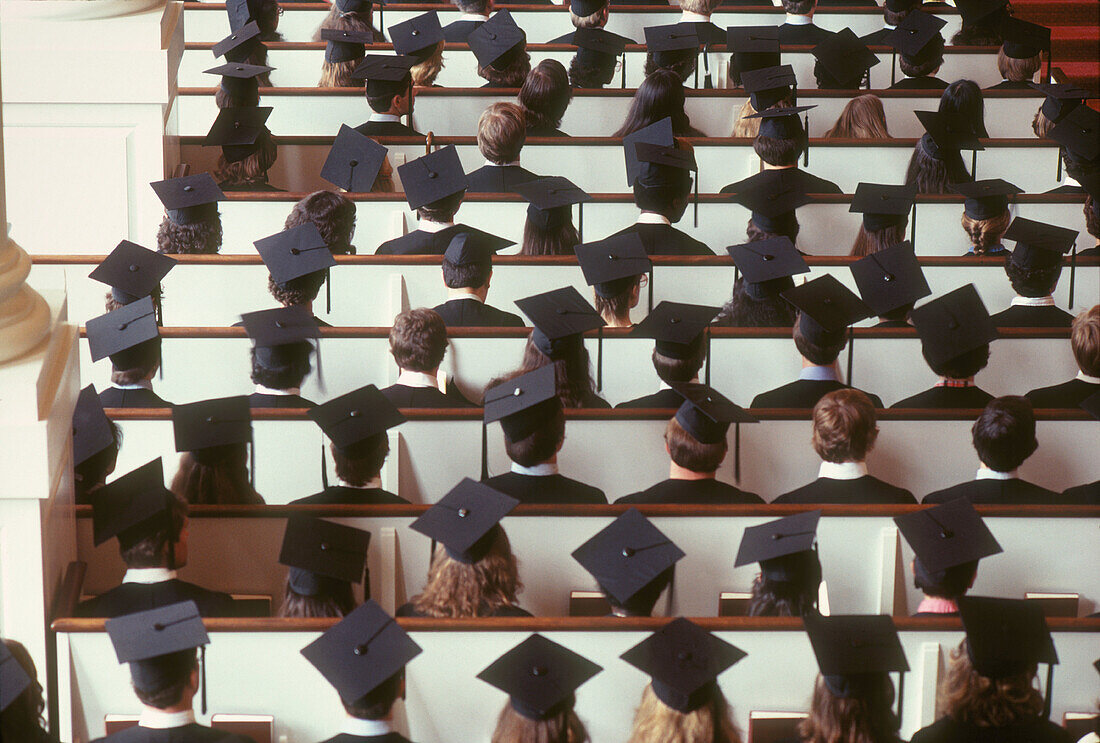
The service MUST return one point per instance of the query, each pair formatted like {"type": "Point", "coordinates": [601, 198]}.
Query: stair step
{"type": "Point", "coordinates": [1083, 74]}
{"type": "Point", "coordinates": [1058, 12]}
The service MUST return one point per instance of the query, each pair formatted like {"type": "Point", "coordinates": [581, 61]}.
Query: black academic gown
{"type": "Point", "coordinates": [387, 129]}
{"type": "Point", "coordinates": [1065, 395]}
{"type": "Point", "coordinates": [919, 83]}
{"type": "Point", "coordinates": [866, 489]}
{"type": "Point", "coordinates": [947, 730]}
{"type": "Point", "coordinates": [470, 313]}
{"type": "Point", "coordinates": [802, 393]}
{"type": "Point", "coordinates": [1020, 316]}
{"type": "Point", "coordinates": [1010, 85]}
{"type": "Point", "coordinates": [947, 398]}
{"type": "Point", "coordinates": [1068, 188]}
{"type": "Point", "coordinates": [403, 396]}
{"type": "Point", "coordinates": [128, 598]}
{"type": "Point", "coordinates": [545, 489]}
{"type": "Point", "coordinates": [711, 492]}
{"type": "Point", "coordinates": [806, 182]}
{"type": "Point", "coordinates": [808, 34]}
{"type": "Point", "coordinates": [876, 38]}
{"type": "Point", "coordinates": [193, 733]}
{"type": "Point", "coordinates": [113, 397]}
{"type": "Point", "coordinates": [664, 239]}
{"type": "Point", "coordinates": [659, 399]}
{"type": "Point", "coordinates": [419, 242]}
{"type": "Point", "coordinates": [1089, 253]}
{"type": "Point", "coordinates": [1011, 492]}
{"type": "Point", "coordinates": [259, 187]}
{"type": "Point", "coordinates": [342, 495]}
{"type": "Point", "coordinates": [261, 400]}
{"type": "Point", "coordinates": [1087, 494]}
{"type": "Point", "coordinates": [407, 610]}
{"type": "Point", "coordinates": [457, 32]}
{"type": "Point", "coordinates": [708, 33]}
{"type": "Point", "coordinates": [545, 131]}
{"type": "Point", "coordinates": [497, 178]}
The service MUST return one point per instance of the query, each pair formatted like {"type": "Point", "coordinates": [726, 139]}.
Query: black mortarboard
{"type": "Point", "coordinates": [706, 414]}
{"type": "Point", "coordinates": [190, 199]}
{"type": "Point", "coordinates": [132, 505]}
{"type": "Point", "coordinates": [550, 200]}
{"type": "Point", "coordinates": [417, 36]}
{"type": "Point", "coordinates": [890, 278]}
{"type": "Point", "coordinates": [585, 8]}
{"type": "Point", "coordinates": [772, 196]}
{"type": "Point", "coordinates": [132, 271]}
{"type": "Point", "coordinates": [900, 6]}
{"type": "Point", "coordinates": [361, 652]}
{"type": "Point", "coordinates": [950, 132]}
{"type": "Point", "coordinates": [352, 417]}
{"type": "Point", "coordinates": [845, 57]}
{"type": "Point", "coordinates": [158, 644]}
{"type": "Point", "coordinates": [606, 263]}
{"type": "Point", "coordinates": [627, 555]}
{"type": "Point", "coordinates": [345, 46]}
{"type": "Point", "coordinates": [1061, 99]}
{"type": "Point", "coordinates": [281, 335]}
{"type": "Point", "coordinates": [777, 539]}
{"type": "Point", "coordinates": [239, 45]}
{"type": "Point", "coordinates": [559, 317]}
{"type": "Point", "coordinates": [676, 328]}
{"type": "Point", "coordinates": [753, 48]}
{"type": "Point", "coordinates": [474, 247]}
{"type": "Point", "coordinates": [386, 74]}
{"type": "Point", "coordinates": [986, 199]}
{"type": "Point", "coordinates": [1004, 637]}
{"type": "Point", "coordinates": [121, 330]}
{"type": "Point", "coordinates": [953, 324]}
{"type": "Point", "coordinates": [881, 205]}
{"type": "Point", "coordinates": [1091, 183]}
{"type": "Point", "coordinates": [598, 45]}
{"type": "Point", "coordinates": [496, 42]}
{"type": "Point", "coordinates": [237, 130]}
{"type": "Point", "coordinates": [217, 422]}
{"type": "Point", "coordinates": [684, 661]}
{"type": "Point", "coordinates": [92, 431]}
{"type": "Point", "coordinates": [768, 265]}
{"type": "Point", "coordinates": [462, 519]}
{"type": "Point", "coordinates": [1079, 132]}
{"type": "Point", "coordinates": [768, 86]}
{"type": "Point", "coordinates": [315, 550]}
{"type": "Point", "coordinates": [826, 308]}
{"type": "Point", "coordinates": [355, 6]}
{"type": "Point", "coordinates": [1091, 405]}
{"type": "Point", "coordinates": [975, 10]}
{"type": "Point", "coordinates": [540, 676]}
{"type": "Point", "coordinates": [781, 123]}
{"type": "Point", "coordinates": [668, 156]}
{"type": "Point", "coordinates": [523, 403]}
{"type": "Point", "coordinates": [917, 37]}
{"type": "Point", "coordinates": [241, 12]}
{"type": "Point", "coordinates": [672, 43]}
{"type": "Point", "coordinates": [1024, 40]}
{"type": "Point", "coordinates": [853, 651]}
{"type": "Point", "coordinates": [13, 679]}
{"type": "Point", "coordinates": [353, 161]}
{"type": "Point", "coordinates": [295, 252]}
{"type": "Point", "coordinates": [239, 78]}
{"type": "Point", "coordinates": [947, 535]}
{"type": "Point", "coordinates": [432, 177]}
{"type": "Point", "coordinates": [1039, 245]}
{"type": "Point", "coordinates": [660, 168]}
{"type": "Point", "coordinates": [658, 133]}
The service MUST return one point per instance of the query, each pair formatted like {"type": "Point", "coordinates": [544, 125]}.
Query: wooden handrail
{"type": "Point", "coordinates": [514, 7]}
{"type": "Point", "coordinates": [68, 593]}
{"type": "Point", "coordinates": [552, 47]}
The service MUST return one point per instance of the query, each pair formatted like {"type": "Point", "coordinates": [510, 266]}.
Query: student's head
{"type": "Point", "coordinates": [427, 70]}
{"type": "Point", "coordinates": [545, 95]}
{"type": "Point", "coordinates": [932, 169]}
{"type": "Point", "coordinates": [595, 19]}
{"type": "Point", "coordinates": [863, 117]}
{"type": "Point", "coordinates": [301, 290]}
{"type": "Point", "coordinates": [203, 237]}
{"type": "Point", "coordinates": [92, 473]}
{"type": "Point", "coordinates": [591, 69]}
{"type": "Point", "coordinates": [671, 370]}
{"type": "Point", "coordinates": [22, 719]}
{"type": "Point", "coordinates": [472, 589]}
{"type": "Point", "coordinates": [656, 722]}
{"type": "Point", "coordinates": [1018, 70]}
{"type": "Point", "coordinates": [361, 462]}
{"type": "Point", "coordinates": [986, 234]}
{"type": "Point", "coordinates": [963, 366]}
{"type": "Point", "coordinates": [870, 241]}
{"type": "Point", "coordinates": [950, 583]}
{"type": "Point", "coordinates": [178, 680]}
{"type": "Point", "coordinates": [442, 210]}
{"type": "Point", "coordinates": [744, 126]}
{"type": "Point", "coordinates": [1040, 124]}
{"type": "Point", "coordinates": [743, 310]}
{"type": "Point", "coordinates": [389, 101]}
{"type": "Point", "coordinates": [251, 170]}
{"type": "Point", "coordinates": [378, 702]}
{"type": "Point", "coordinates": [508, 71]}
{"type": "Point", "coordinates": [969, 697]}
{"type": "Point", "coordinates": [964, 97]}
{"type": "Point", "coordinates": [642, 602]}
{"type": "Point", "coordinates": [787, 586]}
{"type": "Point", "coordinates": [474, 7]}
{"type": "Point", "coordinates": [562, 727]}
{"type": "Point", "coordinates": [1092, 216]}
{"type": "Point", "coordinates": [333, 214]}
{"type": "Point", "coordinates": [1034, 281]}
{"type": "Point", "coordinates": [844, 426]}
{"type": "Point", "coordinates": [663, 189]}
{"type": "Point", "coordinates": [164, 545]}
{"type": "Point", "coordinates": [339, 74]}
{"type": "Point", "coordinates": [283, 369]}
{"type": "Point", "coordinates": [266, 14]}
{"type": "Point", "coordinates": [926, 63]}
{"type": "Point", "coordinates": [618, 298]}
{"type": "Point", "coordinates": [328, 598]}
{"type": "Point", "coordinates": [236, 96]}
{"type": "Point", "coordinates": [215, 475]}
{"type": "Point", "coordinates": [784, 226]}
{"type": "Point", "coordinates": [1004, 434]}
{"type": "Point", "coordinates": [541, 444]}
{"type": "Point", "coordinates": [137, 363]}
{"type": "Point", "coordinates": [1076, 166]}
{"type": "Point", "coordinates": [690, 453]}
{"type": "Point", "coordinates": [501, 132]}
{"type": "Point", "coordinates": [680, 67]}
{"type": "Point", "coordinates": [660, 95]}
{"type": "Point", "coordinates": [799, 7]}
{"type": "Point", "coordinates": [1085, 340]}
{"type": "Point", "coordinates": [821, 351]}
{"type": "Point", "coordinates": [572, 369]}
{"type": "Point", "coordinates": [473, 275]}
{"type": "Point", "coordinates": [702, 7]}
{"type": "Point", "coordinates": [861, 706]}
{"type": "Point", "coordinates": [558, 237]}
{"type": "Point", "coordinates": [984, 31]}
{"type": "Point", "coordinates": [894, 17]}
{"type": "Point", "coordinates": [778, 151]}
{"type": "Point", "coordinates": [418, 340]}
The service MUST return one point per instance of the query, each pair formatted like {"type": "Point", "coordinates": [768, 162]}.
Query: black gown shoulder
{"type": "Point", "coordinates": [343, 495]}
{"type": "Point", "coordinates": [497, 178]}
{"type": "Point", "coordinates": [128, 598]}
{"type": "Point", "coordinates": [659, 399]}
{"type": "Point", "coordinates": [1033, 317]}
{"type": "Point", "coordinates": [403, 396]}
{"type": "Point", "coordinates": [408, 610]}
{"type": "Point", "coordinates": [545, 131]}
{"type": "Point", "coordinates": [919, 83]}
{"type": "Point", "coordinates": [1087, 494]}
{"type": "Point", "coordinates": [261, 400]}
{"type": "Point", "coordinates": [386, 129]}
{"type": "Point", "coordinates": [457, 32]}
{"type": "Point", "coordinates": [947, 398]}
{"type": "Point", "coordinates": [192, 733]}
{"type": "Point", "coordinates": [470, 313]}
{"type": "Point", "coordinates": [947, 730]}
{"type": "Point", "coordinates": [545, 489]}
{"type": "Point", "coordinates": [113, 397]}
{"type": "Point", "coordinates": [802, 393]}
{"type": "Point", "coordinates": [387, 738]}
{"type": "Point", "coordinates": [1014, 491]}
{"type": "Point", "coordinates": [663, 239]}
{"type": "Point", "coordinates": [866, 489]}
{"type": "Point", "coordinates": [704, 492]}
{"type": "Point", "coordinates": [1065, 395]}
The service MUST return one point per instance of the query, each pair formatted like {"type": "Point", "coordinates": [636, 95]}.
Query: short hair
{"type": "Point", "coordinates": [799, 7]}
{"type": "Point", "coordinates": [283, 376]}
{"type": "Point", "coordinates": [1032, 282]}
{"type": "Point", "coordinates": [963, 366]}
{"type": "Point", "coordinates": [383, 103]}
{"type": "Point", "coordinates": [472, 6]}
{"type": "Point", "coordinates": [152, 550]}
{"type": "Point", "coordinates": [418, 340]}
{"type": "Point", "coordinates": [986, 233]}
{"type": "Point", "coordinates": [821, 355]}
{"type": "Point", "coordinates": [702, 7]}
{"type": "Point", "coordinates": [94, 470]}
{"type": "Point", "coordinates": [377, 703]}
{"type": "Point", "coordinates": [541, 444]}
{"type": "Point", "coordinates": [584, 74]}
{"type": "Point", "coordinates": [786, 227]}
{"type": "Point", "coordinates": [442, 210]}
{"type": "Point", "coordinates": [467, 275]}
{"type": "Point", "coordinates": [844, 426]}
{"type": "Point", "coordinates": [1085, 340]}
{"type": "Point", "coordinates": [618, 304]}
{"type": "Point", "coordinates": [545, 94]}
{"type": "Point", "coordinates": [359, 463]}
{"type": "Point", "coordinates": [592, 20]}
{"type": "Point", "coordinates": [178, 666]}
{"type": "Point", "coordinates": [298, 291]}
{"type": "Point", "coordinates": [140, 362]}
{"type": "Point", "coordinates": [199, 238]}
{"type": "Point", "coordinates": [501, 131]}
{"type": "Point", "coordinates": [642, 602]}
{"type": "Point", "coordinates": [949, 583]}
{"type": "Point", "coordinates": [690, 453]}
{"type": "Point", "coordinates": [894, 17]}
{"type": "Point", "coordinates": [777, 151]}
{"type": "Point", "coordinates": [671, 370]}
{"type": "Point", "coordinates": [911, 67]}
{"type": "Point", "coordinates": [333, 214]}
{"type": "Point", "coordinates": [512, 75]}
{"type": "Point", "coordinates": [1004, 434]}
{"type": "Point", "coordinates": [1018, 70]}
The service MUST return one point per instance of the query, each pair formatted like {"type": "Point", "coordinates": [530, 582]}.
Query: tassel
{"type": "Point", "coordinates": [696, 70]}
{"type": "Point", "coordinates": [622, 77]}
{"type": "Point", "coordinates": [202, 661]}
{"type": "Point", "coordinates": [324, 468]}
{"type": "Point", "coordinates": [649, 288]}
{"type": "Point", "coordinates": [1072, 276]}
{"type": "Point", "coordinates": [484, 454]}
{"type": "Point", "coordinates": [707, 84]}
{"type": "Point", "coordinates": [695, 219]}
{"type": "Point", "coordinates": [806, 131]}
{"type": "Point", "coordinates": [382, 20]}
{"type": "Point", "coordinates": [671, 591]}
{"type": "Point", "coordinates": [328, 291]}
{"type": "Point", "coordinates": [580, 223]}
{"type": "Point", "coordinates": [252, 463]}
{"type": "Point", "coordinates": [1058, 177]}
{"type": "Point", "coordinates": [901, 693]}
{"type": "Point", "coordinates": [974, 164]}
{"type": "Point", "coordinates": [851, 345]}
{"type": "Point", "coordinates": [707, 377]}
{"type": "Point", "coordinates": [913, 227]}
{"type": "Point", "coordinates": [1049, 696]}
{"type": "Point", "coordinates": [599, 359]}
{"type": "Point", "coordinates": [351, 174]}
{"type": "Point", "coordinates": [737, 452]}
{"type": "Point", "coordinates": [893, 67]}
{"type": "Point", "coordinates": [431, 555]}
{"type": "Point", "coordinates": [320, 368]}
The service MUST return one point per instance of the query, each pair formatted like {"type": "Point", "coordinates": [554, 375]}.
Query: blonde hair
{"type": "Point", "coordinates": [866, 717]}
{"type": "Point", "coordinates": [844, 426]}
{"type": "Point", "coordinates": [967, 696]}
{"type": "Point", "coordinates": [744, 126]}
{"type": "Point", "coordinates": [501, 132]}
{"type": "Point", "coordinates": [592, 20]}
{"type": "Point", "coordinates": [985, 233]}
{"type": "Point", "coordinates": [1085, 340]}
{"type": "Point", "coordinates": [564, 727]}
{"type": "Point", "coordinates": [457, 589]}
{"type": "Point", "coordinates": [862, 118]}
{"type": "Point", "coordinates": [702, 7]}
{"type": "Point", "coordinates": [424, 73]}
{"type": "Point", "coordinates": [656, 722]}
{"type": "Point", "coordinates": [1018, 70]}
{"type": "Point", "coordinates": [338, 74]}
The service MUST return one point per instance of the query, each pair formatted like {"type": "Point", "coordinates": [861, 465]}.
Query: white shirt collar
{"type": "Point", "coordinates": [366, 728]}
{"type": "Point", "coordinates": [539, 470]}
{"type": "Point", "coordinates": [888, 27]}
{"type": "Point", "coordinates": [384, 117]}
{"type": "Point", "coordinates": [473, 17]}
{"type": "Point", "coordinates": [417, 379]}
{"type": "Point", "coordinates": [666, 386]}
{"type": "Point", "coordinates": [148, 576]}
{"type": "Point", "coordinates": [427, 225]}
{"type": "Point", "coordinates": [373, 483]}
{"type": "Point", "coordinates": [984, 473]}
{"type": "Point", "coordinates": [465, 293]}
{"type": "Point", "coordinates": [158, 719]}
{"type": "Point", "coordinates": [145, 384]}
{"type": "Point", "coordinates": [1086, 378]}
{"type": "Point", "coordinates": [1068, 181]}
{"type": "Point", "coordinates": [688, 17]}
{"type": "Point", "coordinates": [261, 390]}
{"type": "Point", "coordinates": [799, 20]}
{"type": "Point", "coordinates": [842, 470]}
{"type": "Point", "coordinates": [1047, 301]}
{"type": "Point", "coordinates": [503, 165]}
{"type": "Point", "coordinates": [652, 218]}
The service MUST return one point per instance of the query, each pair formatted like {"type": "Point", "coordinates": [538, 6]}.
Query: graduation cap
{"type": "Point", "coordinates": [976, 10]}
{"type": "Point", "coordinates": [826, 309]}
{"type": "Point", "coordinates": [559, 317]}
{"type": "Point", "coordinates": [627, 555]}
{"type": "Point", "coordinates": [610, 264]}
{"type": "Point", "coordinates": [1091, 405]}
{"type": "Point", "coordinates": [1060, 99]}
{"type": "Point", "coordinates": [523, 403]}
{"type": "Point", "coordinates": [432, 177]}
{"type": "Point", "coordinates": [345, 46]}
{"type": "Point", "coordinates": [706, 414]}
{"type": "Point", "coordinates": [1024, 40]}
{"type": "Point", "coordinates": [462, 520]}
{"type": "Point", "coordinates": [753, 48]}
{"type": "Point", "coordinates": [13, 679]}
{"type": "Point", "coordinates": [539, 676]}
{"type": "Point", "coordinates": [132, 506]}
{"type": "Point", "coordinates": [845, 58]}
{"type": "Point", "coordinates": [217, 422]}
{"type": "Point", "coordinates": [953, 324]}
{"type": "Point", "coordinates": [660, 168]}
{"type": "Point", "coordinates": [676, 328]}
{"type": "Point", "coordinates": [474, 248]}
{"type": "Point", "coordinates": [900, 6]}
{"type": "Point", "coordinates": [950, 132]}
{"type": "Point", "coordinates": [92, 430]}
{"type": "Point", "coordinates": [917, 37]}
{"type": "Point", "coordinates": [190, 199]}
{"type": "Point", "coordinates": [769, 85]}
{"type": "Point", "coordinates": [417, 36]}
{"type": "Point", "coordinates": [784, 548]}
{"type": "Point", "coordinates": [295, 252]}
{"type": "Point", "coordinates": [240, 44]}
{"type": "Point", "coordinates": [782, 123]}
{"type": "Point", "coordinates": [1039, 245]}
{"type": "Point", "coordinates": [854, 651]}
{"type": "Point", "coordinates": [585, 8]}
{"type": "Point", "coordinates": [353, 161]}
{"type": "Point", "coordinates": [386, 74]}
{"type": "Point", "coordinates": [322, 553]}
{"type": "Point", "coordinates": [986, 199]}
{"type": "Point", "coordinates": [498, 41]}
{"type": "Point", "coordinates": [239, 78]}
{"type": "Point", "coordinates": [280, 335]}
{"type": "Point", "coordinates": [597, 46]}
{"type": "Point", "coordinates": [683, 661]}
{"type": "Point", "coordinates": [947, 535]}
{"type": "Point", "coordinates": [355, 6]}
{"type": "Point", "coordinates": [768, 265]}
{"type": "Point", "coordinates": [672, 43]}
{"type": "Point", "coordinates": [158, 644]}
{"type": "Point", "coordinates": [657, 133]}
{"type": "Point", "coordinates": [361, 652]}
{"type": "Point", "coordinates": [1079, 133]}
{"type": "Point", "coordinates": [241, 12]}
{"type": "Point", "coordinates": [890, 278]}
{"type": "Point", "coordinates": [237, 130]}
{"type": "Point", "coordinates": [122, 330]}
{"type": "Point", "coordinates": [550, 200]}
{"type": "Point", "coordinates": [772, 196]}
{"type": "Point", "coordinates": [352, 417]}
{"type": "Point", "coordinates": [881, 205]}
{"type": "Point", "coordinates": [132, 271]}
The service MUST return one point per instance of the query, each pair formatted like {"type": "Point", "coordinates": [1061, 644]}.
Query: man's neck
{"type": "Point", "coordinates": [676, 472]}
{"type": "Point", "coordinates": [618, 322]}
{"type": "Point", "coordinates": [688, 17]}
{"type": "Point", "coordinates": [359, 727]}
{"type": "Point", "coordinates": [428, 225]}
{"type": "Point", "coordinates": [466, 292]}
{"type": "Point", "coordinates": [390, 115]}
{"type": "Point", "coordinates": [141, 384]}
{"type": "Point", "coordinates": [769, 166]}
{"type": "Point", "coordinates": [800, 20]}
{"type": "Point", "coordinates": [429, 379]}
{"type": "Point", "coordinates": [653, 218]}
{"type": "Point", "coordinates": [474, 17]}
{"type": "Point", "coordinates": [176, 716]}
{"type": "Point", "coordinates": [307, 306]}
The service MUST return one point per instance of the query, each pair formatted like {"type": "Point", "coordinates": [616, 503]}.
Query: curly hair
{"type": "Point", "coordinates": [333, 214]}
{"type": "Point", "coordinates": [985, 234]}
{"type": "Point", "coordinates": [252, 170]}
{"type": "Point", "coordinates": [967, 696]}
{"type": "Point", "coordinates": [585, 75]}
{"type": "Point", "coordinates": [783, 598]}
{"type": "Point", "coordinates": [339, 75]}
{"type": "Point", "coordinates": [200, 238]}
{"type": "Point", "coordinates": [863, 117]}
{"type": "Point", "coordinates": [512, 76]}
{"type": "Point", "coordinates": [456, 589]}
{"type": "Point", "coordinates": [562, 727]}
{"type": "Point", "coordinates": [743, 311]}
{"type": "Point", "coordinates": [1039, 281]}
{"type": "Point", "coordinates": [418, 340]}
{"type": "Point", "coordinates": [545, 95]}
{"type": "Point", "coordinates": [743, 126]}
{"type": "Point", "coordinates": [22, 719]}
{"type": "Point", "coordinates": [932, 170]}
{"type": "Point", "coordinates": [215, 475]}
{"type": "Point", "coordinates": [681, 68]}
{"type": "Point", "coordinates": [656, 722]}
{"type": "Point", "coordinates": [286, 375]}
{"type": "Point", "coordinates": [427, 70]}
{"type": "Point", "coordinates": [866, 716]}
{"type": "Point", "coordinates": [298, 291]}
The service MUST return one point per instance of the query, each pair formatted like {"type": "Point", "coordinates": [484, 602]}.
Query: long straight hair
{"type": "Point", "coordinates": [660, 95]}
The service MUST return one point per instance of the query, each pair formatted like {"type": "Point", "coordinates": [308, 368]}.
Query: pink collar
{"type": "Point", "coordinates": [936, 605]}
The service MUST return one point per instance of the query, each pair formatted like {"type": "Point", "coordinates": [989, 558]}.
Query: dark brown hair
{"type": "Point", "coordinates": [252, 170]}
{"type": "Point", "coordinates": [92, 473]}
{"type": "Point", "coordinates": [545, 95]}
{"type": "Point", "coordinates": [844, 426]}
{"type": "Point", "coordinates": [143, 359]}
{"type": "Point", "coordinates": [359, 463]}
{"type": "Point", "coordinates": [513, 74]}
{"type": "Point", "coordinates": [480, 589]}
{"type": "Point", "coordinates": [864, 717]}
{"type": "Point", "coordinates": [563, 727]}
{"type": "Point", "coordinates": [200, 238]}
{"type": "Point", "coordinates": [418, 340]}
{"type": "Point", "coordinates": [690, 453]}
{"type": "Point", "coordinates": [215, 475]}
{"type": "Point", "coordinates": [333, 214]}
{"type": "Point", "coordinates": [969, 697]}
{"type": "Point", "coordinates": [289, 373]}
{"type": "Point", "coordinates": [671, 370]}
{"type": "Point", "coordinates": [872, 241]}
{"type": "Point", "coordinates": [661, 94]}
{"type": "Point", "coordinates": [573, 373]}
{"type": "Point", "coordinates": [1004, 434]}
{"type": "Point", "coordinates": [298, 291]}
{"type": "Point", "coordinates": [742, 311]}
{"type": "Point", "coordinates": [813, 352]}
{"type": "Point", "coordinates": [1032, 282]}
{"type": "Point", "coordinates": [442, 210]}
{"type": "Point", "coordinates": [780, 152]}
{"type": "Point", "coordinates": [171, 693]}
{"type": "Point", "coordinates": [931, 174]}
{"type": "Point", "coordinates": [540, 444]}
{"type": "Point", "coordinates": [799, 7]}
{"type": "Point", "coordinates": [22, 719]}
{"type": "Point", "coordinates": [963, 366]}
{"type": "Point", "coordinates": [153, 551]}
{"type": "Point", "coordinates": [377, 703]}
{"type": "Point", "coordinates": [336, 599]}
